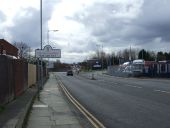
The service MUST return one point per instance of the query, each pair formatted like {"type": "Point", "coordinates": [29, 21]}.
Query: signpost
{"type": "Point", "coordinates": [48, 52]}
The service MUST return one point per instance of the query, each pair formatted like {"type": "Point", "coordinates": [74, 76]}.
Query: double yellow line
{"type": "Point", "coordinates": [95, 122]}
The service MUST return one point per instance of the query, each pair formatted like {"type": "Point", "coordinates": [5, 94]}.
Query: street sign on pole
{"type": "Point", "coordinates": [48, 52]}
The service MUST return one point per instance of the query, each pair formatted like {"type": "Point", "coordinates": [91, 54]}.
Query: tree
{"type": "Point", "coordinates": [160, 56]}
{"type": "Point", "coordinates": [142, 54]}
{"type": "Point", "coordinates": [167, 55]}
{"type": "Point", "coordinates": [23, 48]}
{"type": "Point", "coordinates": [128, 54]}
{"type": "Point", "coordinates": [152, 56]}
{"type": "Point", "coordinates": [146, 55]}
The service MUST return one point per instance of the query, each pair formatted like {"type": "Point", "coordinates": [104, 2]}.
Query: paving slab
{"type": "Point", "coordinates": [51, 110]}
{"type": "Point", "coordinates": [15, 112]}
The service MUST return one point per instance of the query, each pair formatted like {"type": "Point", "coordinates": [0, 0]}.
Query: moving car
{"type": "Point", "coordinates": [69, 73]}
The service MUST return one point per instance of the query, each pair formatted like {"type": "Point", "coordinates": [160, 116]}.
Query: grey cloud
{"type": "Point", "coordinates": [153, 21]}
{"type": "Point", "coordinates": [103, 24]}
{"type": "Point", "coordinates": [27, 27]}
{"type": "Point", "coordinates": [77, 50]}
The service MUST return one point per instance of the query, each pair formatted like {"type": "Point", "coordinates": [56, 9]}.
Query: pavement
{"type": "Point", "coordinates": [49, 110]}
{"type": "Point", "coordinates": [52, 110]}
{"type": "Point", "coordinates": [15, 112]}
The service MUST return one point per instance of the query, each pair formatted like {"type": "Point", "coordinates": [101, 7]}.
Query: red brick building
{"type": "Point", "coordinates": [8, 48]}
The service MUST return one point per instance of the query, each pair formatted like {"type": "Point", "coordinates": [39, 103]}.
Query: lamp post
{"type": "Point", "coordinates": [41, 68]}
{"type": "Point", "coordinates": [100, 46]}
{"type": "Point", "coordinates": [49, 41]}
{"type": "Point", "coordinates": [130, 54]}
{"type": "Point", "coordinates": [98, 51]}
{"type": "Point", "coordinates": [41, 23]}
{"type": "Point", "coordinates": [102, 58]}
{"type": "Point", "coordinates": [48, 34]}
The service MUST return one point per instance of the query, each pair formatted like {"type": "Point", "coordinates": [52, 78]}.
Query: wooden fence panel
{"type": "Point", "coordinates": [7, 89]}
{"type": "Point", "coordinates": [31, 74]}
{"type": "Point", "coordinates": [21, 76]}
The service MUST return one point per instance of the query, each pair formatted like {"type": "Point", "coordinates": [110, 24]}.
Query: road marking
{"type": "Point", "coordinates": [133, 86]}
{"type": "Point", "coordinates": [94, 121]}
{"type": "Point", "coordinates": [40, 106]}
{"type": "Point", "coordinates": [162, 91]}
{"type": "Point", "coordinates": [115, 84]}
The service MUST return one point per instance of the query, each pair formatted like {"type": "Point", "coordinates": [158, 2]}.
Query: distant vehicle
{"type": "Point", "coordinates": [69, 73]}
{"type": "Point", "coordinates": [128, 69]}
{"type": "Point", "coordinates": [138, 66]}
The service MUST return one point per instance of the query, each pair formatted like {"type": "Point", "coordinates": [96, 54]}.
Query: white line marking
{"type": "Point", "coordinates": [162, 91]}
{"type": "Point", "coordinates": [40, 106]}
{"type": "Point", "coordinates": [95, 122]}
{"type": "Point", "coordinates": [133, 86]}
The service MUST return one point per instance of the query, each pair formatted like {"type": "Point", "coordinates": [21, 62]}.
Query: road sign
{"type": "Point", "coordinates": [48, 52]}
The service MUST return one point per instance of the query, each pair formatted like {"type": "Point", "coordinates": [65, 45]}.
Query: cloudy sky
{"type": "Point", "coordinates": [86, 25]}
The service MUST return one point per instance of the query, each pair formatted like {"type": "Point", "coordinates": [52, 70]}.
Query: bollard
{"type": "Point", "coordinates": [92, 78]}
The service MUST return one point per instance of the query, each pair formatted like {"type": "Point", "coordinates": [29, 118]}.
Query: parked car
{"type": "Point", "coordinates": [69, 73]}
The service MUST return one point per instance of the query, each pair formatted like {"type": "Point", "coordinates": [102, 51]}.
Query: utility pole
{"type": "Point", "coordinates": [130, 55]}
{"type": "Point", "coordinates": [102, 59]}
{"type": "Point", "coordinates": [41, 71]}
{"type": "Point", "coordinates": [98, 51]}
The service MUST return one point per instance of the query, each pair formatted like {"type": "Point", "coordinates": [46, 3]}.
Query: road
{"type": "Point", "coordinates": [123, 102]}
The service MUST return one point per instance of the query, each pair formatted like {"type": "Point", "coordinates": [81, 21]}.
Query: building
{"type": "Point", "coordinates": [7, 48]}
{"type": "Point", "coordinates": [94, 64]}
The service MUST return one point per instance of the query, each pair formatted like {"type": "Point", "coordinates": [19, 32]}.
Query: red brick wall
{"type": "Point", "coordinates": [10, 49]}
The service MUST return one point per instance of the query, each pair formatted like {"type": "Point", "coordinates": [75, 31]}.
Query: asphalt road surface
{"type": "Point", "coordinates": [123, 102]}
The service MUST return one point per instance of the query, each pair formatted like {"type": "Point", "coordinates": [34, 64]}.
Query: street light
{"type": "Point", "coordinates": [41, 68]}
{"type": "Point", "coordinates": [100, 46]}
{"type": "Point", "coordinates": [41, 23]}
{"type": "Point", "coordinates": [49, 41]}
{"type": "Point", "coordinates": [48, 34]}
{"type": "Point", "coordinates": [98, 51]}
{"type": "Point", "coordinates": [102, 59]}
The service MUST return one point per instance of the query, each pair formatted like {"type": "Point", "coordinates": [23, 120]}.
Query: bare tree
{"type": "Point", "coordinates": [23, 49]}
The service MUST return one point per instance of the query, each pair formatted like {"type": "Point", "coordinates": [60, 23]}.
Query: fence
{"type": "Point", "coordinates": [149, 69]}
{"type": "Point", "coordinates": [7, 85]}
{"type": "Point", "coordinates": [21, 76]}
{"type": "Point", "coordinates": [31, 74]}
{"type": "Point", "coordinates": [15, 77]}
{"type": "Point", "coordinates": [157, 69]}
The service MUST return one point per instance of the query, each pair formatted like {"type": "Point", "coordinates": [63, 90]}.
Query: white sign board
{"type": "Point", "coordinates": [48, 52]}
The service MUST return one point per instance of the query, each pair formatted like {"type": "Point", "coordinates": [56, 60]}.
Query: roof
{"type": "Point", "coordinates": [2, 41]}
{"type": "Point", "coordinates": [139, 61]}
{"type": "Point", "coordinates": [8, 48]}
